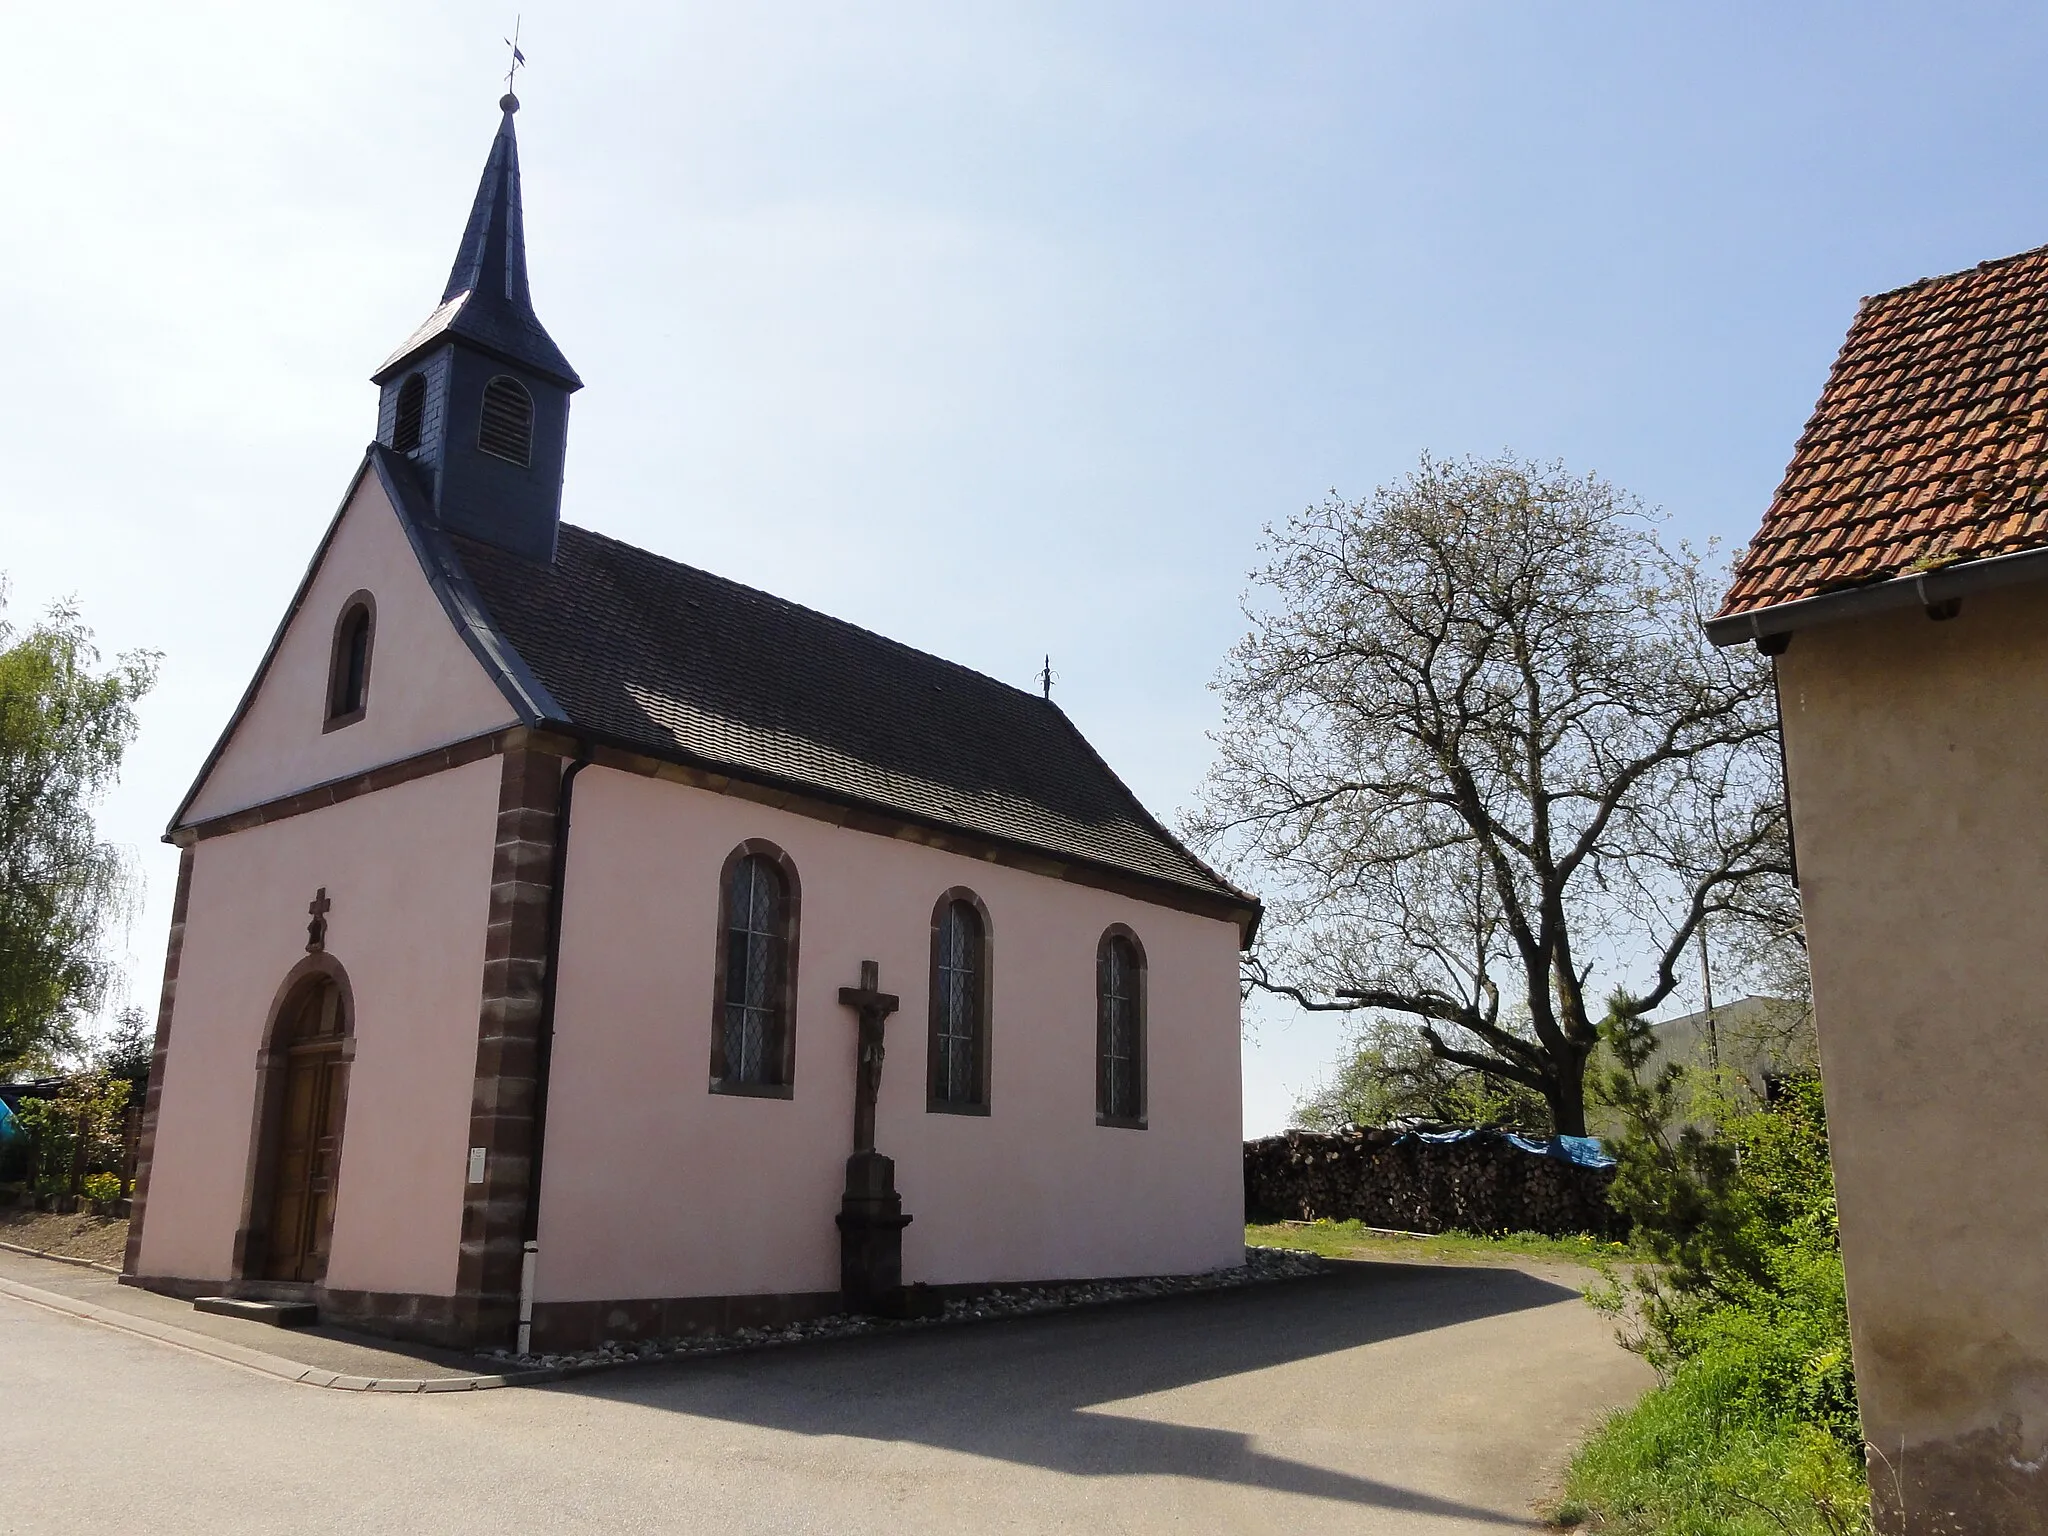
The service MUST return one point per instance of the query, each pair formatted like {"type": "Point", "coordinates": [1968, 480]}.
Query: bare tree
{"type": "Point", "coordinates": [1478, 745]}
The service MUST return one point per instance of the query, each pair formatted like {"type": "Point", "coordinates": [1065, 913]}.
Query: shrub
{"type": "Point", "coordinates": [101, 1186]}
{"type": "Point", "coordinates": [1754, 1425]}
{"type": "Point", "coordinates": [88, 1104]}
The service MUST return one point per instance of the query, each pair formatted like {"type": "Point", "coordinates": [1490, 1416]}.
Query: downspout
{"type": "Point", "coordinates": [1785, 774]}
{"type": "Point", "coordinates": [544, 1046]}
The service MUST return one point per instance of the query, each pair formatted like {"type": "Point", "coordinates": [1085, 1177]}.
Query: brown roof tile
{"type": "Point", "coordinates": [1927, 444]}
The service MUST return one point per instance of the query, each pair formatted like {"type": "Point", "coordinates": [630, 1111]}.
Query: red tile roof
{"type": "Point", "coordinates": [1927, 447]}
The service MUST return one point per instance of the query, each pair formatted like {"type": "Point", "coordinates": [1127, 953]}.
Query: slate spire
{"type": "Point", "coordinates": [478, 397]}
{"type": "Point", "coordinates": [487, 300]}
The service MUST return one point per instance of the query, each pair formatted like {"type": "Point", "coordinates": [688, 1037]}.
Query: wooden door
{"type": "Point", "coordinates": [308, 1159]}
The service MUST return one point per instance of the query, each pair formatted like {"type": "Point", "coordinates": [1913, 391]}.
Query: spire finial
{"type": "Point", "coordinates": [1045, 677]}
{"type": "Point", "coordinates": [508, 102]}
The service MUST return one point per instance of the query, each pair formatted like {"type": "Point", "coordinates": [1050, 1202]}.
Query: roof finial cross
{"type": "Point", "coordinates": [511, 102]}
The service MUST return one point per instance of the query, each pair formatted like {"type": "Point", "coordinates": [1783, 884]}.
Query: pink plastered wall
{"type": "Point", "coordinates": [408, 872]}
{"type": "Point", "coordinates": [426, 688]}
{"type": "Point", "coordinates": [656, 1187]}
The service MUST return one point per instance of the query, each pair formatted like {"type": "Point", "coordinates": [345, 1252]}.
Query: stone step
{"type": "Point", "coordinates": [279, 1314]}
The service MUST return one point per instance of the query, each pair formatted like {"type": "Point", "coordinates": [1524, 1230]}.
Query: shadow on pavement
{"type": "Point", "coordinates": [1022, 1390]}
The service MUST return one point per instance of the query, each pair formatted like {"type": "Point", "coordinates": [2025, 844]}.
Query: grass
{"type": "Point", "coordinates": [1692, 1459]}
{"type": "Point", "coordinates": [1351, 1240]}
{"type": "Point", "coordinates": [1701, 1455]}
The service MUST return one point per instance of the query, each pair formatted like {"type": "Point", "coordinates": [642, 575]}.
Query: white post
{"type": "Point", "coordinates": [526, 1267]}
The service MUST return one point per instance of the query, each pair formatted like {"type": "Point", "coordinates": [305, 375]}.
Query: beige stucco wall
{"type": "Point", "coordinates": [408, 871]}
{"type": "Point", "coordinates": [1918, 759]}
{"type": "Point", "coordinates": [426, 688]}
{"type": "Point", "coordinates": [656, 1187]}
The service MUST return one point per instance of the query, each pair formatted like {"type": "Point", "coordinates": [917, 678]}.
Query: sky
{"type": "Point", "coordinates": [1001, 329]}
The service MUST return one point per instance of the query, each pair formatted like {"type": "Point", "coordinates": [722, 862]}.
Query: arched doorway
{"type": "Point", "coordinates": [304, 1098]}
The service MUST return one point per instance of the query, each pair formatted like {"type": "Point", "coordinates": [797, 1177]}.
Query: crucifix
{"type": "Point", "coordinates": [873, 1007]}
{"type": "Point", "coordinates": [316, 930]}
{"type": "Point", "coordinates": [871, 1219]}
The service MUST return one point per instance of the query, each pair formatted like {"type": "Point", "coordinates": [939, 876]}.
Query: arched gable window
{"type": "Point", "coordinates": [348, 665]}
{"type": "Point", "coordinates": [1120, 1029]}
{"type": "Point", "coordinates": [411, 414]}
{"type": "Point", "coordinates": [505, 430]}
{"type": "Point", "coordinates": [753, 1036]}
{"type": "Point", "coordinates": [957, 1052]}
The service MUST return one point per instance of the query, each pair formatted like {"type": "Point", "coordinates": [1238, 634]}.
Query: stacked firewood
{"type": "Point", "coordinates": [1383, 1178]}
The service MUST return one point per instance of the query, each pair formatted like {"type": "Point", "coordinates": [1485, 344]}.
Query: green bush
{"type": "Point", "coordinates": [101, 1186]}
{"type": "Point", "coordinates": [88, 1104]}
{"type": "Point", "coordinates": [1754, 1425]}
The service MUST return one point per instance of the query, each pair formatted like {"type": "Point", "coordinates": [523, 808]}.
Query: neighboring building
{"type": "Point", "coordinates": [428, 1060]}
{"type": "Point", "coordinates": [1756, 1038]}
{"type": "Point", "coordinates": [1753, 1041]}
{"type": "Point", "coordinates": [1898, 580]}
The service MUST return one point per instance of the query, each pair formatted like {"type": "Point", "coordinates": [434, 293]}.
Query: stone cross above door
{"type": "Point", "coordinates": [316, 930]}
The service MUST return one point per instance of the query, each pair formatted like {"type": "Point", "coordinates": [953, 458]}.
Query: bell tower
{"type": "Point", "coordinates": [478, 396]}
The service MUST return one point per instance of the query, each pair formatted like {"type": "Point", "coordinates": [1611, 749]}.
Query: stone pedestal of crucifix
{"type": "Point", "coordinates": [871, 1219]}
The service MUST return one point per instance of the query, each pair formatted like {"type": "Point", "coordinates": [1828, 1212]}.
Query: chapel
{"type": "Point", "coordinates": [571, 944]}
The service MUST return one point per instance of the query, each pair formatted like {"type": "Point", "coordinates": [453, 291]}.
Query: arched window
{"type": "Point", "coordinates": [753, 1038]}
{"type": "Point", "coordinates": [505, 429]}
{"type": "Point", "coordinates": [348, 666]}
{"type": "Point", "coordinates": [1120, 1029]}
{"type": "Point", "coordinates": [957, 1074]}
{"type": "Point", "coordinates": [411, 413]}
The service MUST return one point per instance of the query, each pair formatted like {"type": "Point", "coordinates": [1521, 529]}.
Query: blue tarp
{"type": "Point", "coordinates": [1586, 1151]}
{"type": "Point", "coordinates": [8, 1129]}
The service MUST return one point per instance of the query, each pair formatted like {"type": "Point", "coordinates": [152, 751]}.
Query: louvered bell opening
{"type": "Point", "coordinates": [412, 411]}
{"type": "Point", "coordinates": [506, 430]}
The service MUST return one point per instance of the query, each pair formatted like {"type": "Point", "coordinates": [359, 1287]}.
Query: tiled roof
{"type": "Point", "coordinates": [1927, 447]}
{"type": "Point", "coordinates": [647, 651]}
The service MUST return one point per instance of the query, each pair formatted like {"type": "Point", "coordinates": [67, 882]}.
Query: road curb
{"type": "Point", "coordinates": [275, 1365]}
{"type": "Point", "coordinates": [58, 1258]}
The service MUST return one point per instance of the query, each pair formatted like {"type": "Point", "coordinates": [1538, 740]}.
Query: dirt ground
{"type": "Point", "coordinates": [99, 1238]}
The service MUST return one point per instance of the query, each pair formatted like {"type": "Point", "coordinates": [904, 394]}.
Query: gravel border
{"type": "Point", "coordinates": [1261, 1266]}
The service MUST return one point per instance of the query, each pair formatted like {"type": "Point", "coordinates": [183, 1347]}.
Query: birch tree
{"type": "Point", "coordinates": [64, 726]}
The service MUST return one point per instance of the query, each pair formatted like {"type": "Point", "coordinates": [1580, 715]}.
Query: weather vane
{"type": "Point", "coordinates": [1045, 678]}
{"type": "Point", "coordinates": [518, 58]}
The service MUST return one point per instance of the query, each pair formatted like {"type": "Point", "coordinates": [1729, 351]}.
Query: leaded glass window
{"type": "Point", "coordinates": [1120, 1031]}
{"type": "Point", "coordinates": [756, 958]}
{"type": "Point", "coordinates": [959, 1025]}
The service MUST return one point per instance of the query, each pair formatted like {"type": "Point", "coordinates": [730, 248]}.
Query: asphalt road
{"type": "Point", "coordinates": [1385, 1398]}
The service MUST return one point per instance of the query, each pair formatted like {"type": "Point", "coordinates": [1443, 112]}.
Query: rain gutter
{"type": "Point", "coordinates": [1936, 591]}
